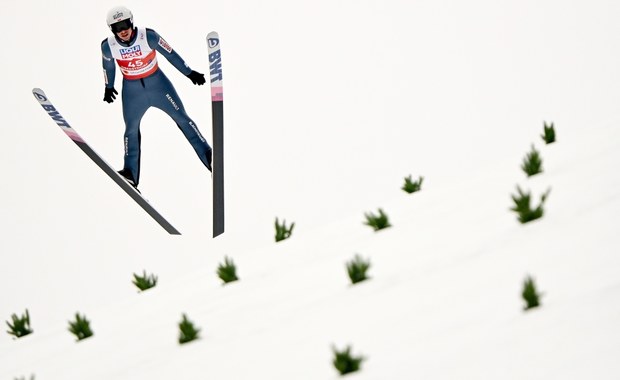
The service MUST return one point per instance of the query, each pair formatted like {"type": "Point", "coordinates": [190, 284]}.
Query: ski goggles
{"type": "Point", "coordinates": [121, 25]}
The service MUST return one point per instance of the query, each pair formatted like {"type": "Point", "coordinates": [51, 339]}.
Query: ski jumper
{"type": "Point", "coordinates": [145, 86]}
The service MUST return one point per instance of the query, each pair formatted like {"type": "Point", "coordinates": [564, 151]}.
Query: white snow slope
{"type": "Point", "coordinates": [329, 105]}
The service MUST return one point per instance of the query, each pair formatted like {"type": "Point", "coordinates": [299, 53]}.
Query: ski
{"type": "Point", "coordinates": [217, 110]}
{"type": "Point", "coordinates": [120, 181]}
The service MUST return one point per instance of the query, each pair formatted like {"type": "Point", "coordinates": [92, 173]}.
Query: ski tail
{"type": "Point", "coordinates": [217, 109]}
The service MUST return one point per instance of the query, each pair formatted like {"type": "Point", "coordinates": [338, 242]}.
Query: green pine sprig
{"type": "Point", "coordinates": [282, 231]}
{"type": "Point", "coordinates": [357, 268]}
{"type": "Point", "coordinates": [227, 271]}
{"type": "Point", "coordinates": [20, 326]}
{"type": "Point", "coordinates": [532, 163]}
{"type": "Point", "coordinates": [80, 327]}
{"type": "Point", "coordinates": [522, 206]}
{"type": "Point", "coordinates": [345, 362]}
{"type": "Point", "coordinates": [548, 135]}
{"type": "Point", "coordinates": [145, 281]}
{"type": "Point", "coordinates": [377, 221]}
{"type": "Point", "coordinates": [530, 294]}
{"type": "Point", "coordinates": [187, 331]}
{"type": "Point", "coordinates": [411, 186]}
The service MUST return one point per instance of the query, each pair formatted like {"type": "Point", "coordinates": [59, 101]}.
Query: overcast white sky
{"type": "Point", "coordinates": [328, 106]}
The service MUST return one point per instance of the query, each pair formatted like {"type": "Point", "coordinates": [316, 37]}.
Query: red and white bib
{"type": "Point", "coordinates": [137, 60]}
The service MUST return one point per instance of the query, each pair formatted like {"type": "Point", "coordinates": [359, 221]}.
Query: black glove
{"type": "Point", "coordinates": [109, 95]}
{"type": "Point", "coordinates": [197, 78]}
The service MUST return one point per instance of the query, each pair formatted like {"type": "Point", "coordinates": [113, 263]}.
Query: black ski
{"type": "Point", "coordinates": [217, 107]}
{"type": "Point", "coordinates": [77, 139]}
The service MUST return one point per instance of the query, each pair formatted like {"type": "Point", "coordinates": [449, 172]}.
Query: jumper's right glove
{"type": "Point", "coordinates": [197, 78]}
{"type": "Point", "coordinates": [109, 95]}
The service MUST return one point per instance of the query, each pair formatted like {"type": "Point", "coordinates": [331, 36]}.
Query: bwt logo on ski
{"type": "Point", "coordinates": [213, 42]}
{"type": "Point", "coordinates": [55, 115]}
{"type": "Point", "coordinates": [131, 52]}
{"type": "Point", "coordinates": [40, 97]}
{"type": "Point", "coordinates": [215, 66]}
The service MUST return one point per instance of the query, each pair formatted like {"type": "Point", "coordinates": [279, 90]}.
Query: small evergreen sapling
{"type": "Point", "coordinates": [377, 222]}
{"type": "Point", "coordinates": [187, 331]}
{"type": "Point", "coordinates": [145, 281]}
{"type": "Point", "coordinates": [345, 362]}
{"type": "Point", "coordinates": [549, 133]}
{"type": "Point", "coordinates": [530, 294]}
{"type": "Point", "coordinates": [80, 327]}
{"type": "Point", "coordinates": [522, 206]}
{"type": "Point", "coordinates": [227, 271]}
{"type": "Point", "coordinates": [24, 378]}
{"type": "Point", "coordinates": [411, 186]}
{"type": "Point", "coordinates": [21, 325]}
{"type": "Point", "coordinates": [282, 231]}
{"type": "Point", "coordinates": [532, 163]}
{"type": "Point", "coordinates": [357, 269]}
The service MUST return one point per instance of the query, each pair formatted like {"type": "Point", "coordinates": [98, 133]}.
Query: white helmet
{"type": "Point", "coordinates": [120, 15]}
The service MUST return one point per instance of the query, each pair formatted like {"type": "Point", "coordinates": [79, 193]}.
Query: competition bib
{"type": "Point", "coordinates": [137, 60]}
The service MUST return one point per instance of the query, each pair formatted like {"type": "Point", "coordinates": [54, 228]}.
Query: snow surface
{"type": "Point", "coordinates": [329, 105]}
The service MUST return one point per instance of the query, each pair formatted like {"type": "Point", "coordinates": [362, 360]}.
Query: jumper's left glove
{"type": "Point", "coordinates": [197, 78]}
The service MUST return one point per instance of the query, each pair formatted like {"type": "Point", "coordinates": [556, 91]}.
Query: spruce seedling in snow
{"type": "Point", "coordinates": [80, 327]}
{"type": "Point", "coordinates": [227, 271]}
{"type": "Point", "coordinates": [411, 186]}
{"type": "Point", "coordinates": [21, 325]}
{"type": "Point", "coordinates": [24, 378]}
{"type": "Point", "coordinates": [282, 231]}
{"type": "Point", "coordinates": [377, 222]}
{"type": "Point", "coordinates": [145, 281]}
{"type": "Point", "coordinates": [522, 206]}
{"type": "Point", "coordinates": [530, 294]}
{"type": "Point", "coordinates": [357, 269]}
{"type": "Point", "coordinates": [532, 163]}
{"type": "Point", "coordinates": [548, 134]}
{"type": "Point", "coordinates": [345, 362]}
{"type": "Point", "coordinates": [187, 331]}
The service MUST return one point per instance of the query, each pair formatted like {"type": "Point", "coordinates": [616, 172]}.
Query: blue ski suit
{"type": "Point", "coordinates": [145, 86]}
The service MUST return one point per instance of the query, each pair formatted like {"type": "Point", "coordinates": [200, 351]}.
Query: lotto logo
{"type": "Point", "coordinates": [131, 52]}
